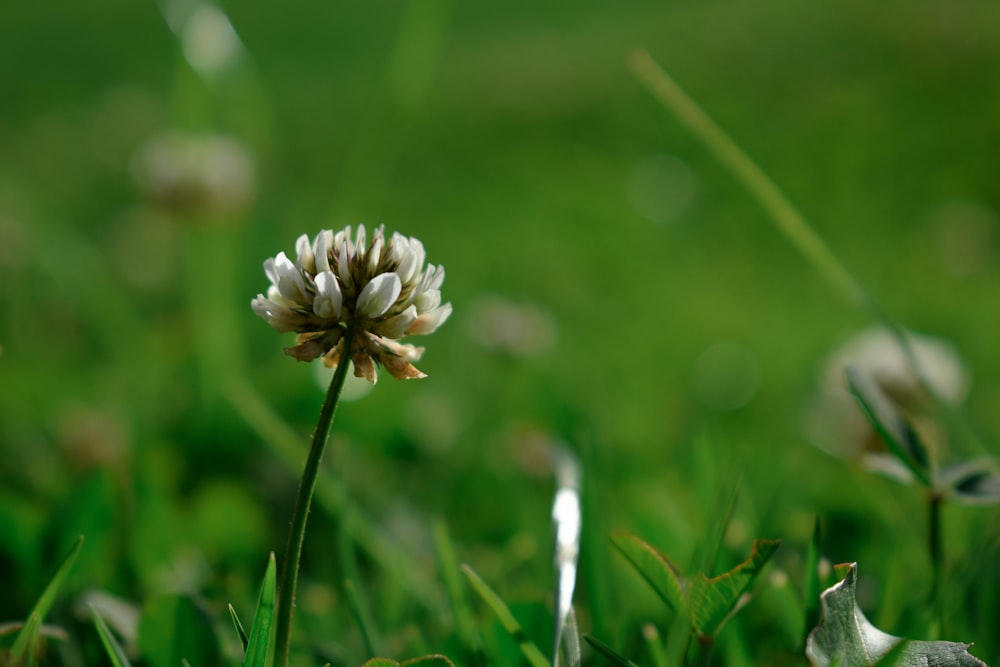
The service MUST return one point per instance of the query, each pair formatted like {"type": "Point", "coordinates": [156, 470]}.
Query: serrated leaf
{"type": "Point", "coordinates": [259, 641]}
{"type": "Point", "coordinates": [111, 646]}
{"type": "Point", "coordinates": [506, 618]}
{"type": "Point", "coordinates": [30, 630]}
{"type": "Point", "coordinates": [894, 429]}
{"type": "Point", "coordinates": [661, 573]}
{"type": "Point", "coordinates": [846, 637]}
{"type": "Point", "coordinates": [609, 653]}
{"type": "Point", "coordinates": [712, 600]}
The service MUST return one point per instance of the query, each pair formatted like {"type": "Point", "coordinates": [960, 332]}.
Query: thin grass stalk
{"type": "Point", "coordinates": [935, 549]}
{"type": "Point", "coordinates": [297, 532]}
{"type": "Point", "coordinates": [788, 220]}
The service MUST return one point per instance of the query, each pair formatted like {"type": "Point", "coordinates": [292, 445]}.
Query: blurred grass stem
{"type": "Point", "coordinates": [297, 532]}
{"type": "Point", "coordinates": [789, 221]}
{"type": "Point", "coordinates": [785, 216]}
{"type": "Point", "coordinates": [935, 548]}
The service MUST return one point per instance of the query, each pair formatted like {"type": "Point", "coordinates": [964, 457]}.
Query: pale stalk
{"type": "Point", "coordinates": [297, 532]}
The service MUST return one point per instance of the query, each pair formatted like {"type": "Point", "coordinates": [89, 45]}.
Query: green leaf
{"type": "Point", "coordinates": [30, 630]}
{"type": "Point", "coordinates": [812, 586]}
{"type": "Point", "coordinates": [361, 618]}
{"type": "Point", "coordinates": [173, 628]}
{"type": "Point", "coordinates": [660, 572]}
{"type": "Point", "coordinates": [27, 638]}
{"type": "Point", "coordinates": [381, 662]}
{"type": "Point", "coordinates": [239, 627]}
{"type": "Point", "coordinates": [506, 618]}
{"type": "Point", "coordinates": [448, 567]}
{"type": "Point", "coordinates": [111, 646]}
{"type": "Point", "coordinates": [844, 635]}
{"type": "Point", "coordinates": [891, 426]}
{"type": "Point", "coordinates": [259, 642]}
{"type": "Point", "coordinates": [712, 600]}
{"type": "Point", "coordinates": [609, 653]}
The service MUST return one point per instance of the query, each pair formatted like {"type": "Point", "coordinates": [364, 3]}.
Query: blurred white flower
{"type": "Point", "coordinates": [193, 173]}
{"type": "Point", "coordinates": [521, 330]}
{"type": "Point", "coordinates": [836, 423]}
{"type": "Point", "coordinates": [375, 291]}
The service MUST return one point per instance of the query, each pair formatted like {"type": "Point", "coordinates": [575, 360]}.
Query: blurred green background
{"type": "Point", "coordinates": [596, 255]}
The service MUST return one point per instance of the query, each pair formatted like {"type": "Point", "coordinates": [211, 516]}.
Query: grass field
{"type": "Point", "coordinates": [615, 289]}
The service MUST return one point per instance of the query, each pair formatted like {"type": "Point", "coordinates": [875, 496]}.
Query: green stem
{"type": "Point", "coordinates": [297, 532]}
{"type": "Point", "coordinates": [785, 216]}
{"type": "Point", "coordinates": [935, 548]}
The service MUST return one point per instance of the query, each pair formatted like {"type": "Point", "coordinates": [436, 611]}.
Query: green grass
{"type": "Point", "coordinates": [145, 406]}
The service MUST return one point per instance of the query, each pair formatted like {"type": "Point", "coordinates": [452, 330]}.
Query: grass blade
{"type": "Point", "coordinates": [654, 645]}
{"type": "Point", "coordinates": [111, 646]}
{"type": "Point", "coordinates": [812, 585]}
{"type": "Point", "coordinates": [609, 653]}
{"type": "Point", "coordinates": [891, 426]}
{"type": "Point", "coordinates": [239, 628]}
{"type": "Point", "coordinates": [44, 604]}
{"type": "Point", "coordinates": [448, 565]}
{"type": "Point", "coordinates": [506, 618]}
{"type": "Point", "coordinates": [259, 643]}
{"type": "Point", "coordinates": [361, 617]}
{"type": "Point", "coordinates": [568, 520]}
{"type": "Point", "coordinates": [785, 216]}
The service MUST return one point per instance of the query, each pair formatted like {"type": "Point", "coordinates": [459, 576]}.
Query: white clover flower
{"type": "Point", "coordinates": [196, 174]}
{"type": "Point", "coordinates": [836, 425]}
{"type": "Point", "coordinates": [376, 291]}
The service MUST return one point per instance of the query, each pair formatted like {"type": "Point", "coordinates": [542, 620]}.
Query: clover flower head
{"type": "Point", "coordinates": [196, 173]}
{"type": "Point", "coordinates": [836, 425]}
{"type": "Point", "coordinates": [341, 284]}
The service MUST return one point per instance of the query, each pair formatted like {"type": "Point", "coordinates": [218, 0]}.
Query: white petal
{"type": "Point", "coordinates": [432, 278]}
{"type": "Point", "coordinates": [281, 318]}
{"type": "Point", "coordinates": [344, 266]}
{"type": "Point", "coordinates": [380, 293]}
{"type": "Point", "coordinates": [427, 301]}
{"type": "Point", "coordinates": [343, 238]}
{"type": "Point", "coordinates": [375, 254]}
{"type": "Point", "coordinates": [399, 248]}
{"type": "Point", "coordinates": [437, 279]}
{"type": "Point", "coordinates": [274, 294]}
{"type": "Point", "coordinates": [328, 296]}
{"type": "Point", "coordinates": [429, 322]}
{"type": "Point", "coordinates": [361, 245]}
{"type": "Point", "coordinates": [304, 258]}
{"type": "Point", "coordinates": [396, 326]}
{"type": "Point", "coordinates": [324, 240]}
{"type": "Point", "coordinates": [290, 281]}
{"type": "Point", "coordinates": [269, 271]}
{"type": "Point", "coordinates": [413, 261]}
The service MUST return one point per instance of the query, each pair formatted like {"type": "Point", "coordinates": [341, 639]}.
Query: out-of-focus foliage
{"type": "Point", "coordinates": [613, 287]}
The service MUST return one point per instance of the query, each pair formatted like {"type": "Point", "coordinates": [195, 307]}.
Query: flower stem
{"type": "Point", "coordinates": [297, 532]}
